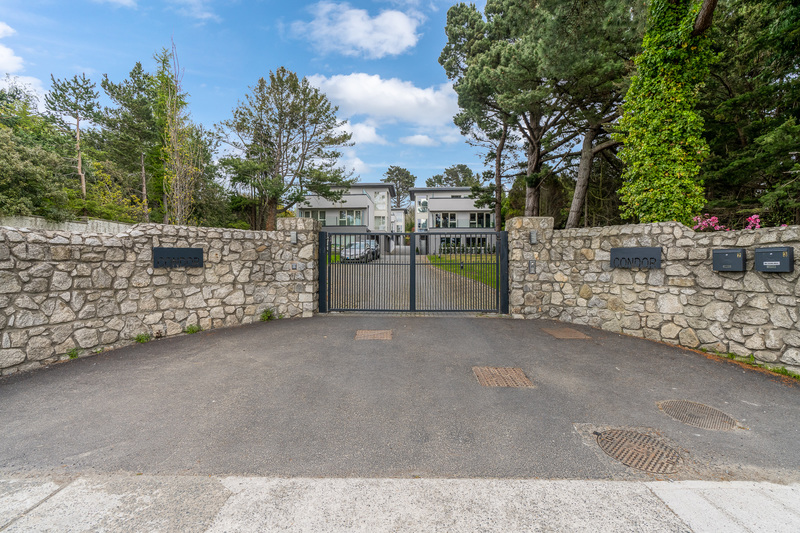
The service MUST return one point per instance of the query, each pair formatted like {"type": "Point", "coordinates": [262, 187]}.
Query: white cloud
{"type": "Point", "coordinates": [364, 133]}
{"type": "Point", "coordinates": [123, 3]}
{"type": "Point", "coordinates": [9, 61]}
{"type": "Point", "coordinates": [198, 9]}
{"type": "Point", "coordinates": [350, 31]}
{"type": "Point", "coordinates": [6, 30]}
{"type": "Point", "coordinates": [419, 140]}
{"type": "Point", "coordinates": [351, 162]}
{"type": "Point", "coordinates": [389, 99]}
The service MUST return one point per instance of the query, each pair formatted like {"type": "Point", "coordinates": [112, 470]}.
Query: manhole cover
{"type": "Point", "coordinates": [698, 415]}
{"type": "Point", "coordinates": [565, 333]}
{"type": "Point", "coordinates": [639, 451]}
{"type": "Point", "coordinates": [374, 335]}
{"type": "Point", "coordinates": [492, 376]}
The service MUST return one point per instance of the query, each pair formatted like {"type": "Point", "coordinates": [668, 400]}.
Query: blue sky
{"type": "Point", "coordinates": [377, 60]}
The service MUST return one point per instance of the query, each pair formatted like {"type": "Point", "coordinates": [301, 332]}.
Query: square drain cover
{"type": "Point", "coordinates": [492, 376]}
{"type": "Point", "coordinates": [374, 335]}
{"type": "Point", "coordinates": [565, 333]}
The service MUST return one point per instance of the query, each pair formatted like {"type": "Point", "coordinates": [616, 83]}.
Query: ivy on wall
{"type": "Point", "coordinates": [661, 131]}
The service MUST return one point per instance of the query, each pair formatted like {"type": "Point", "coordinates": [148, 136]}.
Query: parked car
{"type": "Point", "coordinates": [357, 251]}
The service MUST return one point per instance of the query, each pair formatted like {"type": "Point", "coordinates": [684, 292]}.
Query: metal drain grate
{"type": "Point", "coordinates": [565, 333]}
{"type": "Point", "coordinates": [374, 335]}
{"type": "Point", "coordinates": [639, 451]}
{"type": "Point", "coordinates": [698, 415]}
{"type": "Point", "coordinates": [492, 376]}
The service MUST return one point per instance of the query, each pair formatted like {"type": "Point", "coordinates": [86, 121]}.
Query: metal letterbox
{"type": "Point", "coordinates": [778, 259]}
{"type": "Point", "coordinates": [729, 260]}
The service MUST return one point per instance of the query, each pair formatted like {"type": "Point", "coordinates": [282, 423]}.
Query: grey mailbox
{"type": "Point", "coordinates": [778, 259]}
{"type": "Point", "coordinates": [729, 260]}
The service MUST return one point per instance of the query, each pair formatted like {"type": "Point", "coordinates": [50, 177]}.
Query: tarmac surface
{"type": "Point", "coordinates": [295, 425]}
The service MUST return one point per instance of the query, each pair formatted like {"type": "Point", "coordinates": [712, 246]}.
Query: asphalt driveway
{"type": "Point", "coordinates": [305, 398]}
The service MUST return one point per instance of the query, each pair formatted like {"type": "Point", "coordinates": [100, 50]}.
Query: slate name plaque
{"type": "Point", "coordinates": [177, 257]}
{"type": "Point", "coordinates": [636, 257]}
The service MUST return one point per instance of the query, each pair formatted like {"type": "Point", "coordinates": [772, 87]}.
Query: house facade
{"type": "Point", "coordinates": [446, 219]}
{"type": "Point", "coordinates": [364, 208]}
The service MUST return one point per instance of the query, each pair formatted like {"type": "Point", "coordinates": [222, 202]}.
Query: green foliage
{"type": "Point", "coordinates": [454, 176]}
{"type": "Point", "coordinates": [403, 180]}
{"type": "Point", "coordinates": [73, 353]}
{"type": "Point", "coordinates": [105, 199]}
{"type": "Point", "coordinates": [751, 107]}
{"type": "Point", "coordinates": [269, 314]}
{"type": "Point", "coordinates": [142, 338]}
{"type": "Point", "coordinates": [193, 328]}
{"type": "Point", "coordinates": [660, 128]}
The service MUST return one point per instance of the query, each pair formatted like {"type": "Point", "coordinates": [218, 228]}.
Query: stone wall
{"type": "Point", "coordinates": [83, 292]}
{"type": "Point", "coordinates": [685, 302]}
{"type": "Point", "coordinates": [89, 225]}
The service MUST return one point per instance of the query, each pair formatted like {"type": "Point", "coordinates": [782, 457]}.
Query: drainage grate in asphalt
{"type": "Point", "coordinates": [492, 376]}
{"type": "Point", "coordinates": [374, 335]}
{"type": "Point", "coordinates": [639, 451]}
{"type": "Point", "coordinates": [698, 415]}
{"type": "Point", "coordinates": [565, 333]}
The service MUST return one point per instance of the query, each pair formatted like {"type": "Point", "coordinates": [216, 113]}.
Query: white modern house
{"type": "Point", "coordinates": [364, 208]}
{"type": "Point", "coordinates": [446, 217]}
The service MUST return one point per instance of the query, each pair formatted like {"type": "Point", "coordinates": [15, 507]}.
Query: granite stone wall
{"type": "Point", "coordinates": [67, 293]}
{"type": "Point", "coordinates": [685, 302]}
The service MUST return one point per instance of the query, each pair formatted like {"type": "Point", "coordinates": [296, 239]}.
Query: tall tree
{"type": "Point", "coordinates": [130, 132]}
{"type": "Point", "coordinates": [75, 98]}
{"type": "Point", "coordinates": [183, 142]}
{"type": "Point", "coordinates": [286, 138]}
{"type": "Point", "coordinates": [459, 175]}
{"type": "Point", "coordinates": [403, 180]}
{"type": "Point", "coordinates": [660, 128]}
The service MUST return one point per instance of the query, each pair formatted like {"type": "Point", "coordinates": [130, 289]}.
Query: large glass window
{"type": "Point", "coordinates": [380, 223]}
{"type": "Point", "coordinates": [316, 215]}
{"type": "Point", "coordinates": [350, 217]}
{"type": "Point", "coordinates": [380, 201]}
{"type": "Point", "coordinates": [449, 220]}
{"type": "Point", "coordinates": [480, 220]}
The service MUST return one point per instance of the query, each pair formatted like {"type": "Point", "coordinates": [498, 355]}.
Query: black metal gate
{"type": "Point", "coordinates": [416, 272]}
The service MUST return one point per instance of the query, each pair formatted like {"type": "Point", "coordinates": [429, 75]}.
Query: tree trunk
{"type": "Point", "coordinates": [532, 189]}
{"type": "Point", "coordinates": [144, 193]}
{"type": "Point", "coordinates": [498, 182]}
{"type": "Point", "coordinates": [80, 165]}
{"type": "Point", "coordinates": [272, 214]}
{"type": "Point", "coordinates": [582, 182]}
{"type": "Point", "coordinates": [704, 17]}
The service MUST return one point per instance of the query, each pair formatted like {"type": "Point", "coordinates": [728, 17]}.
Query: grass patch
{"type": "Point", "coordinates": [751, 360]}
{"type": "Point", "coordinates": [142, 338]}
{"type": "Point", "coordinates": [193, 328]}
{"type": "Point", "coordinates": [480, 267]}
{"type": "Point", "coordinates": [73, 353]}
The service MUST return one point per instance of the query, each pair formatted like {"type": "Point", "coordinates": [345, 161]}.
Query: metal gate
{"type": "Point", "coordinates": [416, 272]}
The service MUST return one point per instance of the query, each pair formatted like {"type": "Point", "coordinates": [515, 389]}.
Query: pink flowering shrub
{"type": "Point", "coordinates": [753, 222]}
{"type": "Point", "coordinates": [707, 223]}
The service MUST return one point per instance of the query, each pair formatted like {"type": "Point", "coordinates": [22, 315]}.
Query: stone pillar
{"type": "Point", "coordinates": [527, 261]}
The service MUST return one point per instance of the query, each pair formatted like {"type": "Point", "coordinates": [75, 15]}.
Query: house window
{"type": "Point", "coordinates": [449, 220]}
{"type": "Point", "coordinates": [380, 223]}
{"type": "Point", "coordinates": [423, 206]}
{"type": "Point", "coordinates": [316, 215]}
{"type": "Point", "coordinates": [380, 201]}
{"type": "Point", "coordinates": [350, 217]}
{"type": "Point", "coordinates": [480, 220]}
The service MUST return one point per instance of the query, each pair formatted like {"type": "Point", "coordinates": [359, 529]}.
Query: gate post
{"type": "Point", "coordinates": [503, 285]}
{"type": "Point", "coordinates": [322, 265]}
{"type": "Point", "coordinates": [412, 281]}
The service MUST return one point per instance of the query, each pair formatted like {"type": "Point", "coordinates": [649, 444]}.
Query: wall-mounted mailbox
{"type": "Point", "coordinates": [778, 259]}
{"type": "Point", "coordinates": [729, 260]}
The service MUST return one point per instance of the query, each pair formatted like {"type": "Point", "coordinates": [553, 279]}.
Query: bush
{"type": "Point", "coordinates": [193, 328]}
{"type": "Point", "coordinates": [142, 338]}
